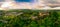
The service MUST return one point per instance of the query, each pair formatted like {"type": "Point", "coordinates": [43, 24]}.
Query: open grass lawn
{"type": "Point", "coordinates": [30, 18]}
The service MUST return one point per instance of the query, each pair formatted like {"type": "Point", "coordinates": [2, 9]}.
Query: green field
{"type": "Point", "coordinates": [30, 18]}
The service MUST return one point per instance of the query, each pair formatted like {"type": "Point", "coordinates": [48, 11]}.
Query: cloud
{"type": "Point", "coordinates": [11, 4]}
{"type": "Point", "coordinates": [2, 0]}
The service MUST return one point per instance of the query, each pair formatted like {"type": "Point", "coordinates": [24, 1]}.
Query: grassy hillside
{"type": "Point", "coordinates": [30, 18]}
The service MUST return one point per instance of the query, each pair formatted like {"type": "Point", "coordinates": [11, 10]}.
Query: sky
{"type": "Point", "coordinates": [23, 0]}
{"type": "Point", "coordinates": [46, 1]}
{"type": "Point", "coordinates": [18, 0]}
{"type": "Point", "coordinates": [39, 4]}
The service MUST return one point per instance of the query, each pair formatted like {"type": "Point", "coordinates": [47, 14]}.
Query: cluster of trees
{"type": "Point", "coordinates": [29, 18]}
